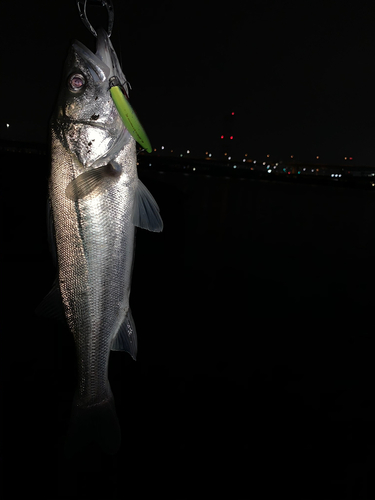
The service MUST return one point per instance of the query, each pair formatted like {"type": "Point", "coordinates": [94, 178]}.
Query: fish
{"type": "Point", "coordinates": [95, 203]}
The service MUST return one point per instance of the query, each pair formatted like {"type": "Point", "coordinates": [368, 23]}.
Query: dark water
{"type": "Point", "coordinates": [254, 312]}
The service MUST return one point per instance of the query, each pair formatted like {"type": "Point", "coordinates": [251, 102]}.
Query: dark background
{"type": "Point", "coordinates": [298, 75]}
{"type": "Point", "coordinates": [254, 312]}
{"type": "Point", "coordinates": [254, 306]}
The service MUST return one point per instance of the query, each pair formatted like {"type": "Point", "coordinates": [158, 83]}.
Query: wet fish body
{"type": "Point", "coordinates": [96, 201]}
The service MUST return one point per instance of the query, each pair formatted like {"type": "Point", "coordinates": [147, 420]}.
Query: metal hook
{"type": "Point", "coordinates": [81, 4]}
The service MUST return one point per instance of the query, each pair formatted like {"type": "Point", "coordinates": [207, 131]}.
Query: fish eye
{"type": "Point", "coordinates": [76, 82]}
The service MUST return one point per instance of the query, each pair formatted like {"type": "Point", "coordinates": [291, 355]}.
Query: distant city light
{"type": "Point", "coordinates": [210, 155]}
{"type": "Point", "coordinates": [8, 125]}
{"type": "Point", "coordinates": [292, 156]}
{"type": "Point", "coordinates": [188, 151]}
{"type": "Point", "coordinates": [229, 157]}
{"type": "Point", "coordinates": [268, 156]}
{"type": "Point", "coordinates": [162, 147]}
{"type": "Point", "coordinates": [317, 157]}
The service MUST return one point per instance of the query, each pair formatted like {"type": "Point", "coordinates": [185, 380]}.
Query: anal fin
{"type": "Point", "coordinates": [126, 337]}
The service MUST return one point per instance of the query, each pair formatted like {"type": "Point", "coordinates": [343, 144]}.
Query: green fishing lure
{"type": "Point", "coordinates": [129, 117]}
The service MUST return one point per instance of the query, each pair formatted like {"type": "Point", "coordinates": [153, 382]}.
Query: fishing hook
{"type": "Point", "coordinates": [81, 4]}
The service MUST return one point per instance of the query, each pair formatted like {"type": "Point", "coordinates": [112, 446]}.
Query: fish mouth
{"type": "Point", "coordinates": [105, 51]}
{"type": "Point", "coordinates": [104, 64]}
{"type": "Point", "coordinates": [99, 70]}
{"type": "Point", "coordinates": [105, 68]}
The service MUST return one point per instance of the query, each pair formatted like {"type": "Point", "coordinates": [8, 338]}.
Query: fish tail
{"type": "Point", "coordinates": [98, 423]}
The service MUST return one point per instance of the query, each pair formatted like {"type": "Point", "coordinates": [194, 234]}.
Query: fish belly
{"type": "Point", "coordinates": [95, 247]}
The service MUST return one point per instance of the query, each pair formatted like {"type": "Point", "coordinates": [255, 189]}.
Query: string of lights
{"type": "Point", "coordinates": [226, 153]}
{"type": "Point", "coordinates": [187, 152]}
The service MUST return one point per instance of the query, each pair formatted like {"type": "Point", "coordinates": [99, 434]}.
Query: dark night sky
{"type": "Point", "coordinates": [298, 75]}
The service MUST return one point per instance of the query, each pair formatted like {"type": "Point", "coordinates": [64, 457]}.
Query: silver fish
{"type": "Point", "coordinates": [96, 201]}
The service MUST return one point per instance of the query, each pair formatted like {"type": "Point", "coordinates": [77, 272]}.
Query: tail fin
{"type": "Point", "coordinates": [97, 423]}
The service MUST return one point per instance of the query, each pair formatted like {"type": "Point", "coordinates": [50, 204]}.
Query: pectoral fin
{"type": "Point", "coordinates": [146, 211]}
{"type": "Point", "coordinates": [94, 181]}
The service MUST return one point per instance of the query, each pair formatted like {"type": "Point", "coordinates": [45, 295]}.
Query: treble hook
{"type": "Point", "coordinates": [81, 4]}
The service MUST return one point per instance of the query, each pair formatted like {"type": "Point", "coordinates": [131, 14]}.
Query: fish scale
{"type": "Point", "coordinates": [96, 201]}
{"type": "Point", "coordinates": [86, 235]}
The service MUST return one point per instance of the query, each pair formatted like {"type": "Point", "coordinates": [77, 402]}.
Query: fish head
{"type": "Point", "coordinates": [85, 106]}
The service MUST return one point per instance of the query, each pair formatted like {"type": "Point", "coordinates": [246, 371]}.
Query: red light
{"type": "Point", "coordinates": [232, 113]}
{"type": "Point", "coordinates": [350, 158]}
{"type": "Point", "coordinates": [221, 137]}
{"type": "Point", "coordinates": [231, 137]}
